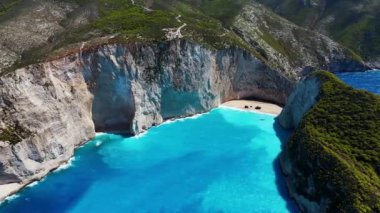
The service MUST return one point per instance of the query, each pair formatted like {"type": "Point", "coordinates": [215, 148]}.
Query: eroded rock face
{"type": "Point", "coordinates": [136, 86]}
{"type": "Point", "coordinates": [52, 104]}
{"type": "Point", "coordinates": [303, 98]}
{"type": "Point", "coordinates": [58, 105]}
{"type": "Point", "coordinates": [300, 102]}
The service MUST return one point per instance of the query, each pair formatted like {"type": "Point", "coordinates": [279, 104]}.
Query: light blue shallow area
{"type": "Point", "coordinates": [369, 80]}
{"type": "Point", "coordinates": [222, 161]}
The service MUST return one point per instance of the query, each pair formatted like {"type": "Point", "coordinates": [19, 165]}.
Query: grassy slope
{"type": "Point", "coordinates": [132, 22]}
{"type": "Point", "coordinates": [128, 22]}
{"type": "Point", "coordinates": [355, 27]}
{"type": "Point", "coordinates": [339, 141]}
{"type": "Point", "coordinates": [208, 23]}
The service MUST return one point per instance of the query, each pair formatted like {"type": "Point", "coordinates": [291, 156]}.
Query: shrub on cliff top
{"type": "Point", "coordinates": [338, 145]}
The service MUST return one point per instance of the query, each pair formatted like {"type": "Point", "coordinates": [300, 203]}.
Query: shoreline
{"type": "Point", "coordinates": [9, 190]}
{"type": "Point", "coordinates": [254, 106]}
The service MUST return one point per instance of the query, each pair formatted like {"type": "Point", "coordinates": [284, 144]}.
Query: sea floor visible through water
{"type": "Point", "coordinates": [222, 161]}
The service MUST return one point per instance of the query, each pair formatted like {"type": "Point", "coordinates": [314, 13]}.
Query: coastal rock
{"type": "Point", "coordinates": [50, 108]}
{"type": "Point", "coordinates": [300, 102]}
{"type": "Point", "coordinates": [53, 108]}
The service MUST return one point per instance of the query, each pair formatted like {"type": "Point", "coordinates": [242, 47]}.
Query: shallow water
{"type": "Point", "coordinates": [369, 80]}
{"type": "Point", "coordinates": [222, 161]}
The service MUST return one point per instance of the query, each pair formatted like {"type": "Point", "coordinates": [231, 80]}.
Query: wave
{"type": "Point", "coordinates": [33, 183]}
{"type": "Point", "coordinates": [100, 134]}
{"type": "Point", "coordinates": [140, 135]}
{"type": "Point", "coordinates": [185, 118]}
{"type": "Point", "coordinates": [9, 198]}
{"type": "Point", "coordinates": [67, 165]}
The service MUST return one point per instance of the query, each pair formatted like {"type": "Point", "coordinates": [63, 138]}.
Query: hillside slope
{"type": "Point", "coordinates": [353, 23]}
{"type": "Point", "coordinates": [332, 160]}
{"type": "Point", "coordinates": [288, 47]}
{"type": "Point", "coordinates": [69, 26]}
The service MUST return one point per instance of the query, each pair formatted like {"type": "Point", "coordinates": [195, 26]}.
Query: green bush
{"type": "Point", "coordinates": [13, 135]}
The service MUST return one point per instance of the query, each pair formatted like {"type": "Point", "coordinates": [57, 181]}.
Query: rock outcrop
{"type": "Point", "coordinates": [48, 109]}
{"type": "Point", "coordinates": [300, 102]}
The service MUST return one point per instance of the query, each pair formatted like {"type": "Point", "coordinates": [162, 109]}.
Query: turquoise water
{"type": "Point", "coordinates": [222, 161]}
{"type": "Point", "coordinates": [369, 80]}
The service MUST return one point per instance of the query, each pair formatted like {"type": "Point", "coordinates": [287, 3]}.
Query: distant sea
{"type": "Point", "coordinates": [369, 80]}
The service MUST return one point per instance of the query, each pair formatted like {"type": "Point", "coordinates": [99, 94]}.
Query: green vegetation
{"type": "Point", "coordinates": [132, 22]}
{"type": "Point", "coordinates": [13, 135]}
{"type": "Point", "coordinates": [127, 22]}
{"type": "Point", "coordinates": [338, 145]}
{"type": "Point", "coordinates": [223, 10]}
{"type": "Point", "coordinates": [362, 35]}
{"type": "Point", "coordinates": [353, 23]}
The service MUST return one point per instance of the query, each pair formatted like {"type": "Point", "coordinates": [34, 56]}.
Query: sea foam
{"type": "Point", "coordinates": [67, 165]}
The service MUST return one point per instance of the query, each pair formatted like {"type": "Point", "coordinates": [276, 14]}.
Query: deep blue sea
{"type": "Point", "coordinates": [222, 161]}
{"type": "Point", "coordinates": [369, 80]}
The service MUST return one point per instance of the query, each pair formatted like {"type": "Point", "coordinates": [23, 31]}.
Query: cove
{"type": "Point", "coordinates": [222, 161]}
{"type": "Point", "coordinates": [369, 80]}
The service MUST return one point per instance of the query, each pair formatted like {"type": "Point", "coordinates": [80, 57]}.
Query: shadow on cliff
{"type": "Point", "coordinates": [284, 136]}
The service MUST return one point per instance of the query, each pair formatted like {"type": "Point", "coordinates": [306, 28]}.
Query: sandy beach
{"type": "Point", "coordinates": [256, 106]}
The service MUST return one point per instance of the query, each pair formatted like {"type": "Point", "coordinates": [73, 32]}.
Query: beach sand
{"type": "Point", "coordinates": [251, 106]}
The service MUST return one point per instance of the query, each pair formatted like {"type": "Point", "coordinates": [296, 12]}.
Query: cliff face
{"type": "Point", "coordinates": [303, 98]}
{"type": "Point", "coordinates": [44, 114]}
{"type": "Point", "coordinates": [300, 102]}
{"type": "Point", "coordinates": [138, 85]}
{"type": "Point", "coordinates": [48, 109]}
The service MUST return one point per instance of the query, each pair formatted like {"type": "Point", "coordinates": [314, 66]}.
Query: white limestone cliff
{"type": "Point", "coordinates": [53, 107]}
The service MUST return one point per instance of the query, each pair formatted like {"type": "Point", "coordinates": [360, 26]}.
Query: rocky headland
{"type": "Point", "coordinates": [332, 159]}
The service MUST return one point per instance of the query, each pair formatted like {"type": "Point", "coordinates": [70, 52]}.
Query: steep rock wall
{"type": "Point", "coordinates": [53, 107]}
{"type": "Point", "coordinates": [46, 114]}
{"type": "Point", "coordinates": [303, 98]}
{"type": "Point", "coordinates": [138, 85]}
